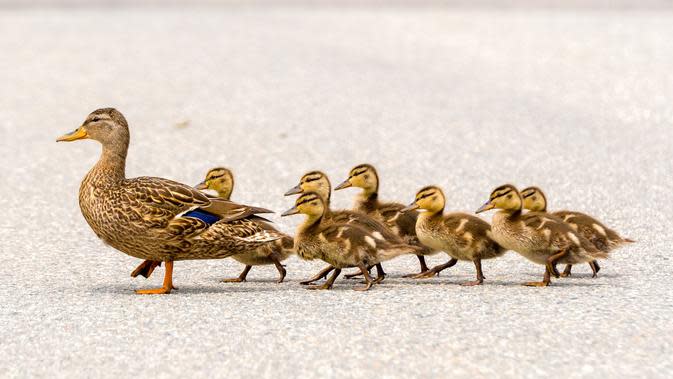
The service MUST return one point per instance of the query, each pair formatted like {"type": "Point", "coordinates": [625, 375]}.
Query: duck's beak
{"type": "Point", "coordinates": [201, 186]}
{"type": "Point", "coordinates": [294, 190]}
{"type": "Point", "coordinates": [411, 207]}
{"type": "Point", "coordinates": [290, 212]}
{"type": "Point", "coordinates": [486, 207]}
{"type": "Point", "coordinates": [343, 185]}
{"type": "Point", "coordinates": [79, 133]}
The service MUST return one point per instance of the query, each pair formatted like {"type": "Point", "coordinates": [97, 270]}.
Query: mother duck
{"type": "Point", "coordinates": [157, 219]}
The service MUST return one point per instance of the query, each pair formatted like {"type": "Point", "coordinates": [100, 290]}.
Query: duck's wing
{"type": "Point", "coordinates": [168, 198]}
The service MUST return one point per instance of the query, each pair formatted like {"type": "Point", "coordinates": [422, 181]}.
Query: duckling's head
{"type": "Point", "coordinates": [534, 199]}
{"type": "Point", "coordinates": [310, 204]}
{"type": "Point", "coordinates": [107, 126]}
{"type": "Point", "coordinates": [363, 176]}
{"type": "Point", "coordinates": [314, 181]}
{"type": "Point", "coordinates": [219, 179]}
{"type": "Point", "coordinates": [505, 197]}
{"type": "Point", "coordinates": [430, 199]}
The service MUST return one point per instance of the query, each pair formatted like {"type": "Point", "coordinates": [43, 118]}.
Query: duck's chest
{"type": "Point", "coordinates": [337, 255]}
{"type": "Point", "coordinates": [107, 214]}
{"type": "Point", "coordinates": [429, 234]}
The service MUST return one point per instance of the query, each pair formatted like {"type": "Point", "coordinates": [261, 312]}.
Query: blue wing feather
{"type": "Point", "coordinates": [202, 215]}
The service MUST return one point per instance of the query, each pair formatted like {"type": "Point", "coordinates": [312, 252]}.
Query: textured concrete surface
{"type": "Point", "coordinates": [579, 103]}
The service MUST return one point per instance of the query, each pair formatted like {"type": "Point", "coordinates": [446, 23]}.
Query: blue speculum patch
{"type": "Point", "coordinates": [202, 215]}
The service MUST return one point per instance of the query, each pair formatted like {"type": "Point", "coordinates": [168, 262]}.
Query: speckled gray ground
{"type": "Point", "coordinates": [580, 103]}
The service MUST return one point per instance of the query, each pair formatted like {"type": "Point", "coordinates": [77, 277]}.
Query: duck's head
{"type": "Point", "coordinates": [534, 199]}
{"type": "Point", "coordinates": [106, 125]}
{"type": "Point", "coordinates": [310, 204]}
{"type": "Point", "coordinates": [219, 179]}
{"type": "Point", "coordinates": [363, 176]}
{"type": "Point", "coordinates": [314, 181]}
{"type": "Point", "coordinates": [505, 197]}
{"type": "Point", "coordinates": [430, 199]}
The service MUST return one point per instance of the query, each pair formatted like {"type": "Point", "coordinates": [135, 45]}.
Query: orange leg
{"type": "Point", "coordinates": [168, 283]}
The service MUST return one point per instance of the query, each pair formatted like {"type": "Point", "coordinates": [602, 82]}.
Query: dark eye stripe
{"type": "Point", "coordinates": [312, 179]}
{"type": "Point", "coordinates": [306, 200]}
{"type": "Point", "coordinates": [501, 195]}
{"type": "Point", "coordinates": [425, 195]}
{"type": "Point", "coordinates": [358, 173]}
{"type": "Point", "coordinates": [528, 194]}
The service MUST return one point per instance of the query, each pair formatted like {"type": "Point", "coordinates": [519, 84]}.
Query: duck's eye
{"type": "Point", "coordinates": [95, 119]}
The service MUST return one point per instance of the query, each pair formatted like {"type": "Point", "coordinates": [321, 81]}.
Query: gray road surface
{"type": "Point", "coordinates": [578, 102]}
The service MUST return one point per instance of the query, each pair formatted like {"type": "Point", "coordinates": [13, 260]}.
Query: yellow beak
{"type": "Point", "coordinates": [290, 212]}
{"type": "Point", "coordinates": [411, 207]}
{"type": "Point", "coordinates": [486, 207]}
{"type": "Point", "coordinates": [79, 133]}
{"type": "Point", "coordinates": [345, 184]}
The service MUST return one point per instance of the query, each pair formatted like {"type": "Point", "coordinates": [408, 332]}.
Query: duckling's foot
{"type": "Point", "coordinates": [425, 275]}
{"type": "Point", "coordinates": [145, 269]}
{"type": "Point", "coordinates": [322, 274]}
{"type": "Point", "coordinates": [324, 286]}
{"type": "Point", "coordinates": [233, 280]}
{"type": "Point", "coordinates": [241, 278]}
{"type": "Point", "coordinates": [566, 272]}
{"type": "Point", "coordinates": [352, 276]}
{"type": "Point", "coordinates": [536, 284]}
{"type": "Point", "coordinates": [328, 284]}
{"type": "Point", "coordinates": [368, 279]}
{"type": "Point", "coordinates": [473, 283]}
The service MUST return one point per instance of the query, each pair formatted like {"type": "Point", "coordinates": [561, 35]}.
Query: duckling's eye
{"type": "Point", "coordinates": [534, 198]}
{"type": "Point", "coordinates": [315, 203]}
{"type": "Point", "coordinates": [366, 176]}
{"type": "Point", "coordinates": [509, 196]}
{"type": "Point", "coordinates": [95, 119]}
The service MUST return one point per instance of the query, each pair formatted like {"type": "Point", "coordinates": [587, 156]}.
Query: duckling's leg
{"type": "Point", "coordinates": [436, 270]}
{"type": "Point", "coordinates": [322, 274]}
{"type": "Point", "coordinates": [145, 269]}
{"type": "Point", "coordinates": [567, 270]}
{"type": "Point", "coordinates": [480, 275]}
{"type": "Point", "coordinates": [594, 268]}
{"type": "Point", "coordinates": [241, 277]}
{"type": "Point", "coordinates": [368, 279]}
{"type": "Point", "coordinates": [328, 284]}
{"type": "Point", "coordinates": [168, 283]}
{"type": "Point", "coordinates": [281, 270]}
{"type": "Point", "coordinates": [424, 267]}
{"type": "Point", "coordinates": [380, 274]}
{"type": "Point", "coordinates": [553, 259]}
{"type": "Point", "coordinates": [355, 275]}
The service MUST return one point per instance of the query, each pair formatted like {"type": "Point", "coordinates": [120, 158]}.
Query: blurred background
{"type": "Point", "coordinates": [573, 96]}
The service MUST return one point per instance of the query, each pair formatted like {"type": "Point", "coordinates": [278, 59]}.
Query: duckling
{"type": "Point", "coordinates": [318, 182]}
{"type": "Point", "coordinates": [462, 236]}
{"type": "Point", "coordinates": [604, 238]}
{"type": "Point", "coordinates": [221, 180]}
{"type": "Point", "coordinates": [339, 244]}
{"type": "Point", "coordinates": [402, 223]}
{"type": "Point", "coordinates": [157, 219]}
{"type": "Point", "coordinates": [537, 236]}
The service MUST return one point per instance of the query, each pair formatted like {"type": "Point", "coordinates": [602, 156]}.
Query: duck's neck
{"type": "Point", "coordinates": [312, 221]}
{"type": "Point", "coordinates": [368, 200]}
{"type": "Point", "coordinates": [110, 168]}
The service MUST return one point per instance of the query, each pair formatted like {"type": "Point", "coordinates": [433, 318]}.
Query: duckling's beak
{"type": "Point", "coordinates": [486, 207]}
{"type": "Point", "coordinates": [290, 212]}
{"type": "Point", "coordinates": [411, 207]}
{"type": "Point", "coordinates": [294, 190]}
{"type": "Point", "coordinates": [79, 133]}
{"type": "Point", "coordinates": [343, 185]}
{"type": "Point", "coordinates": [201, 186]}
